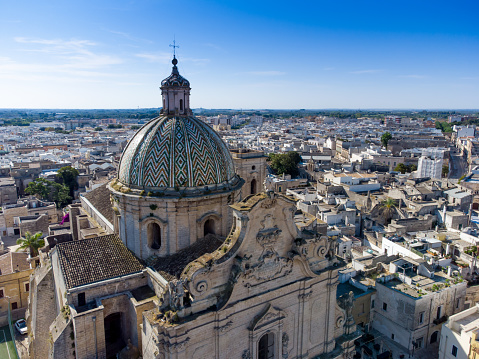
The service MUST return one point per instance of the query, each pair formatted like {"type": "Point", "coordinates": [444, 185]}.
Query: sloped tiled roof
{"type": "Point", "coordinates": [172, 266]}
{"type": "Point", "coordinates": [95, 259]}
{"type": "Point", "coordinates": [100, 199]}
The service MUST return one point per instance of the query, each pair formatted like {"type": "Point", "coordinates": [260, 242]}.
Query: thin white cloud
{"type": "Point", "coordinates": [213, 46]}
{"type": "Point", "coordinates": [74, 54]}
{"type": "Point", "coordinates": [161, 57]}
{"type": "Point", "coordinates": [129, 36]}
{"type": "Point", "coordinates": [413, 76]}
{"type": "Point", "coordinates": [366, 71]}
{"type": "Point", "coordinates": [266, 73]}
{"type": "Point", "coordinates": [61, 61]}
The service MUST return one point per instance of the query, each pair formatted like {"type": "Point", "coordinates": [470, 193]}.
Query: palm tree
{"type": "Point", "coordinates": [31, 241]}
{"type": "Point", "coordinates": [388, 207]}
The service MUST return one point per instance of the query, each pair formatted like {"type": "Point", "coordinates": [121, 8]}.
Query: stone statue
{"type": "Point", "coordinates": [346, 302]}
{"type": "Point", "coordinates": [268, 184]}
{"type": "Point", "coordinates": [331, 248]}
{"type": "Point", "coordinates": [176, 293]}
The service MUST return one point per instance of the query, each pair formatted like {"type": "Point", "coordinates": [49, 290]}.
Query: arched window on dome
{"type": "Point", "coordinates": [209, 227]}
{"type": "Point", "coordinates": [154, 236]}
{"type": "Point", "coordinates": [181, 104]}
{"type": "Point", "coordinates": [266, 347]}
{"type": "Point", "coordinates": [253, 186]}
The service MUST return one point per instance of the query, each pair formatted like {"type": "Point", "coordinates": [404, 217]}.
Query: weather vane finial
{"type": "Point", "coordinates": [174, 46]}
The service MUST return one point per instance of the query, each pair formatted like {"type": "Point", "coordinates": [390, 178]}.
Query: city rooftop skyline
{"type": "Point", "coordinates": [241, 54]}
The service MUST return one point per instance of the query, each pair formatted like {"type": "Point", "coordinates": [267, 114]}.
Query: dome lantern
{"type": "Point", "coordinates": [175, 90]}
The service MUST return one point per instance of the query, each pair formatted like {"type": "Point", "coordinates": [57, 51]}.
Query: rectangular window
{"type": "Point", "coordinates": [392, 336]}
{"type": "Point", "coordinates": [385, 307]}
{"type": "Point", "coordinates": [14, 306]}
{"type": "Point", "coordinates": [27, 287]}
{"type": "Point", "coordinates": [454, 351]}
{"type": "Point", "coordinates": [457, 303]}
{"type": "Point", "coordinates": [438, 314]}
{"type": "Point", "coordinates": [419, 343]}
{"type": "Point", "coordinates": [81, 299]}
{"type": "Point", "coordinates": [2, 293]}
{"type": "Point", "coordinates": [372, 303]}
{"type": "Point", "coordinates": [421, 317]}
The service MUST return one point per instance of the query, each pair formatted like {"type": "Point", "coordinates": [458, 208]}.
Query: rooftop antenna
{"type": "Point", "coordinates": [174, 46]}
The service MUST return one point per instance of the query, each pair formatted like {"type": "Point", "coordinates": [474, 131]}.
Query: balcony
{"type": "Point", "coordinates": [440, 320]}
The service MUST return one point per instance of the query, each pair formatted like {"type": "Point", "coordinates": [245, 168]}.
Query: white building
{"type": "Point", "coordinates": [430, 163]}
{"type": "Point", "coordinates": [464, 131]}
{"type": "Point", "coordinates": [458, 333]}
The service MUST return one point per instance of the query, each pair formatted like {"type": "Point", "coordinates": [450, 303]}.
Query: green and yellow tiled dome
{"type": "Point", "coordinates": [178, 151]}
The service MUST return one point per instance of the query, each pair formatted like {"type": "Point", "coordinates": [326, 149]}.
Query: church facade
{"type": "Point", "coordinates": [196, 267]}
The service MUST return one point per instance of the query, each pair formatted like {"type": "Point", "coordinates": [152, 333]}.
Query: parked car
{"type": "Point", "coordinates": [21, 326]}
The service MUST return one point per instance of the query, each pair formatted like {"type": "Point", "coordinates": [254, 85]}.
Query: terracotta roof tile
{"type": "Point", "coordinates": [172, 266]}
{"type": "Point", "coordinates": [95, 259]}
{"type": "Point", "coordinates": [100, 198]}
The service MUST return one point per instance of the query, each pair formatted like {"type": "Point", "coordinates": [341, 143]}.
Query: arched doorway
{"type": "Point", "coordinates": [253, 186]}
{"type": "Point", "coordinates": [209, 227]}
{"type": "Point", "coordinates": [266, 346]}
{"type": "Point", "coordinates": [114, 341]}
{"type": "Point", "coordinates": [434, 337]}
{"type": "Point", "coordinates": [154, 236]}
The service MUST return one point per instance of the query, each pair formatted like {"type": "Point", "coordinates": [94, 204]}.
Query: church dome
{"type": "Point", "coordinates": [176, 152]}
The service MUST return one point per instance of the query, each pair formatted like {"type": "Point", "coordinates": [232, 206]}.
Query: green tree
{"type": "Point", "coordinates": [59, 194]}
{"type": "Point", "coordinates": [385, 139]}
{"type": "Point", "coordinates": [388, 207]}
{"type": "Point", "coordinates": [285, 163]}
{"type": "Point", "coordinates": [39, 187]}
{"type": "Point", "coordinates": [444, 126]}
{"type": "Point", "coordinates": [401, 167]}
{"type": "Point", "coordinates": [135, 127]}
{"type": "Point", "coordinates": [68, 176]}
{"type": "Point", "coordinates": [445, 170]}
{"type": "Point", "coordinates": [49, 190]}
{"type": "Point", "coordinates": [31, 242]}
{"type": "Point", "coordinates": [98, 128]}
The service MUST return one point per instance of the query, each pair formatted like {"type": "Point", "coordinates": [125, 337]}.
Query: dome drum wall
{"type": "Point", "coordinates": [181, 221]}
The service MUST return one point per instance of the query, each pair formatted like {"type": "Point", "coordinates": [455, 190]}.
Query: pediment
{"type": "Point", "coordinates": [268, 316]}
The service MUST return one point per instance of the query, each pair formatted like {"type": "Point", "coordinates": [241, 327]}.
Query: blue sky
{"type": "Point", "coordinates": [241, 54]}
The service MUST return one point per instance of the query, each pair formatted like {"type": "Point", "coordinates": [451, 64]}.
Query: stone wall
{"type": "Point", "coordinates": [89, 334]}
{"type": "Point", "coordinates": [62, 337]}
{"type": "Point", "coordinates": [43, 310]}
{"type": "Point", "coordinates": [34, 224]}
